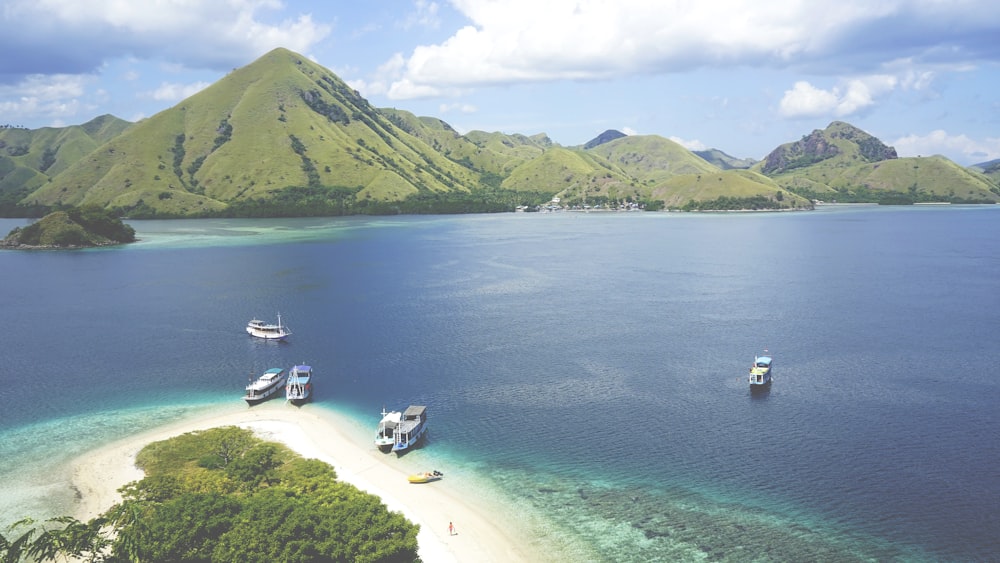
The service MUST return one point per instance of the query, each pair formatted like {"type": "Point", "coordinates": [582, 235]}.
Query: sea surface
{"type": "Point", "coordinates": [588, 369]}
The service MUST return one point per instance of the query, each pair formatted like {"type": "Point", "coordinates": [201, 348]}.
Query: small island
{"type": "Point", "coordinates": [80, 227]}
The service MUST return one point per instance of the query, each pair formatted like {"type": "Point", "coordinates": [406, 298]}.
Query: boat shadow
{"type": "Point", "coordinates": [424, 440]}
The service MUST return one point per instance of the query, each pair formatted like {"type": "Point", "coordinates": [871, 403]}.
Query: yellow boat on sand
{"type": "Point", "coordinates": [425, 477]}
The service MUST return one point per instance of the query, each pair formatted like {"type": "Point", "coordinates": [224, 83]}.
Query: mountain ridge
{"type": "Point", "coordinates": [285, 136]}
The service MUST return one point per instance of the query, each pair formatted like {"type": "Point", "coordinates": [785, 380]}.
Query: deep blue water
{"type": "Point", "coordinates": [590, 367]}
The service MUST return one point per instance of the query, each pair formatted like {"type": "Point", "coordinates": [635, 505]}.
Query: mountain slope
{"type": "Point", "coordinates": [839, 145]}
{"type": "Point", "coordinates": [28, 158]}
{"type": "Point", "coordinates": [651, 159]}
{"type": "Point", "coordinates": [846, 164]}
{"type": "Point", "coordinates": [724, 161]}
{"type": "Point", "coordinates": [726, 190]}
{"type": "Point", "coordinates": [605, 137]}
{"type": "Point", "coordinates": [281, 122]}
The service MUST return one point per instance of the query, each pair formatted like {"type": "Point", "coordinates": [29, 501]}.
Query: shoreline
{"type": "Point", "coordinates": [320, 434]}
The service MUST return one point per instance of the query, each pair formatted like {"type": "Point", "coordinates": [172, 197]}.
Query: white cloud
{"type": "Point", "coordinates": [960, 148]}
{"type": "Point", "coordinates": [629, 131]}
{"type": "Point", "coordinates": [425, 14]}
{"type": "Point", "coordinates": [692, 145]}
{"type": "Point", "coordinates": [55, 97]}
{"type": "Point", "coordinates": [170, 92]}
{"type": "Point", "coordinates": [216, 35]}
{"type": "Point", "coordinates": [854, 96]}
{"type": "Point", "coordinates": [600, 39]}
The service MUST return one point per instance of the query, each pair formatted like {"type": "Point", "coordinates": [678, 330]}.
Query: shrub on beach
{"type": "Point", "coordinates": [225, 495]}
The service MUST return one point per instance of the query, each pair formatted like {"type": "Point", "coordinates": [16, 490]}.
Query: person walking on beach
{"type": "Point", "coordinates": [451, 529]}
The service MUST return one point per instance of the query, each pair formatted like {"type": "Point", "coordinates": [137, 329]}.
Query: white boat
{"type": "Point", "coordinates": [410, 429]}
{"type": "Point", "coordinates": [760, 372]}
{"type": "Point", "coordinates": [268, 331]}
{"type": "Point", "coordinates": [385, 436]}
{"type": "Point", "coordinates": [298, 389]}
{"type": "Point", "coordinates": [265, 386]}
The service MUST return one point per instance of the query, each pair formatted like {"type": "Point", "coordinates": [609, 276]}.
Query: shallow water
{"type": "Point", "coordinates": [589, 368]}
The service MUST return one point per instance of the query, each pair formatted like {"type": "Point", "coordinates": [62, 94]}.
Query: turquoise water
{"type": "Point", "coordinates": [588, 369]}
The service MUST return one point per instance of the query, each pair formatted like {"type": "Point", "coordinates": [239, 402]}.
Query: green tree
{"type": "Point", "coordinates": [185, 528]}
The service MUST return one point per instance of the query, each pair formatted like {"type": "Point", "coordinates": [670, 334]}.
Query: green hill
{"type": "Point", "coordinates": [989, 169]}
{"type": "Point", "coordinates": [724, 161]}
{"type": "Point", "coordinates": [76, 228]}
{"type": "Point", "coordinates": [651, 159]}
{"type": "Point", "coordinates": [726, 190]}
{"type": "Point", "coordinates": [30, 157]}
{"type": "Point", "coordinates": [842, 163]}
{"type": "Point", "coordinates": [284, 136]}
{"type": "Point", "coordinates": [571, 174]}
{"type": "Point", "coordinates": [280, 131]}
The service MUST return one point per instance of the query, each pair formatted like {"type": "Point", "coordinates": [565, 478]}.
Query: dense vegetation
{"type": "Point", "coordinates": [727, 203]}
{"type": "Point", "coordinates": [224, 495]}
{"type": "Point", "coordinates": [89, 225]}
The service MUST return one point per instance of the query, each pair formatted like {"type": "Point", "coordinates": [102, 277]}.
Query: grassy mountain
{"type": "Point", "coordinates": [30, 157]}
{"type": "Point", "coordinates": [605, 137]}
{"type": "Point", "coordinates": [846, 164]}
{"type": "Point", "coordinates": [281, 131]}
{"type": "Point", "coordinates": [989, 169]}
{"type": "Point", "coordinates": [284, 136]}
{"type": "Point", "coordinates": [726, 190]}
{"type": "Point", "coordinates": [725, 161]}
{"type": "Point", "coordinates": [651, 159]}
{"type": "Point", "coordinates": [484, 153]}
{"type": "Point", "coordinates": [574, 174]}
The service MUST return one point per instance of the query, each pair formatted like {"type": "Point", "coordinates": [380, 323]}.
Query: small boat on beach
{"type": "Point", "coordinates": [399, 431]}
{"type": "Point", "coordinates": [268, 331]}
{"type": "Point", "coordinates": [265, 386]}
{"type": "Point", "coordinates": [385, 436]}
{"type": "Point", "coordinates": [425, 477]}
{"type": "Point", "coordinates": [760, 372]}
{"type": "Point", "coordinates": [298, 389]}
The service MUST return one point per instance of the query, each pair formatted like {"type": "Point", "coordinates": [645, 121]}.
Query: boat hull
{"type": "Point", "coordinates": [415, 437]}
{"type": "Point", "coordinates": [265, 387]}
{"type": "Point", "coordinates": [298, 388]}
{"type": "Point", "coordinates": [425, 477]}
{"type": "Point", "coordinates": [268, 331]}
{"type": "Point", "coordinates": [261, 396]}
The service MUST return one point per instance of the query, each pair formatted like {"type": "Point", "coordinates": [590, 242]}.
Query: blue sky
{"type": "Point", "coordinates": [740, 76]}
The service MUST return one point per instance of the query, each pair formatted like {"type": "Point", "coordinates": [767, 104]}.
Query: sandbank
{"type": "Point", "coordinates": [317, 433]}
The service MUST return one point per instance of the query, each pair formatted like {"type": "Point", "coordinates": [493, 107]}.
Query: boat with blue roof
{"type": "Point", "coordinates": [399, 431]}
{"type": "Point", "coordinates": [760, 372]}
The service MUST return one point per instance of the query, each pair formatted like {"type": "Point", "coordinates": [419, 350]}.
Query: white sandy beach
{"type": "Point", "coordinates": [317, 433]}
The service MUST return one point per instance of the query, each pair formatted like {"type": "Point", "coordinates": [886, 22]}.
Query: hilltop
{"type": "Point", "coordinates": [30, 157]}
{"type": "Point", "coordinates": [843, 163]}
{"type": "Point", "coordinates": [284, 136]}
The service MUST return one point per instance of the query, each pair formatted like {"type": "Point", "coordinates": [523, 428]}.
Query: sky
{"type": "Point", "coordinates": [737, 75]}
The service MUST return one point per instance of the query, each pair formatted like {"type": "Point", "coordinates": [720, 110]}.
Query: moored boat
{"type": "Point", "coordinates": [268, 331]}
{"type": "Point", "coordinates": [385, 436]}
{"type": "Point", "coordinates": [298, 389]}
{"type": "Point", "coordinates": [411, 428]}
{"type": "Point", "coordinates": [760, 372]}
{"type": "Point", "coordinates": [265, 386]}
{"type": "Point", "coordinates": [425, 476]}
